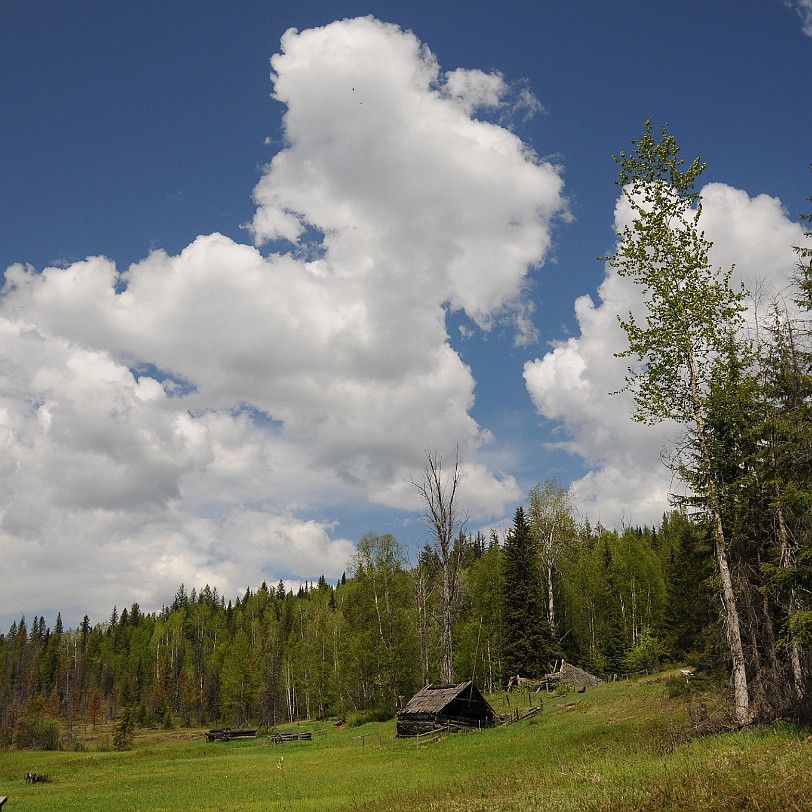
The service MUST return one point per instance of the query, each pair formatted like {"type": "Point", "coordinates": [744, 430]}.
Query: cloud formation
{"type": "Point", "coordinates": [195, 417]}
{"type": "Point", "coordinates": [572, 383]}
{"type": "Point", "coordinates": [804, 11]}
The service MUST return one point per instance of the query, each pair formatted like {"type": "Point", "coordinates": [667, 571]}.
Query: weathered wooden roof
{"type": "Point", "coordinates": [577, 677]}
{"type": "Point", "coordinates": [434, 698]}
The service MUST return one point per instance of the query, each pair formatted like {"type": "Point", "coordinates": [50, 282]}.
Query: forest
{"type": "Point", "coordinates": [723, 583]}
{"type": "Point", "coordinates": [622, 604]}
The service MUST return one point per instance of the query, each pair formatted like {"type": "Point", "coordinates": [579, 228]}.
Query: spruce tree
{"type": "Point", "coordinates": [528, 648]}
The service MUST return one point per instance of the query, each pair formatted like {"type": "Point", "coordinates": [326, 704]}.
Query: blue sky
{"type": "Point", "coordinates": [187, 420]}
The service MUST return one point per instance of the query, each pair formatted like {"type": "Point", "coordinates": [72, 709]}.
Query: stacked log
{"type": "Point", "coordinates": [224, 734]}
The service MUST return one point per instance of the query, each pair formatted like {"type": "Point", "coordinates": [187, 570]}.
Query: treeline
{"type": "Point", "coordinates": [611, 602]}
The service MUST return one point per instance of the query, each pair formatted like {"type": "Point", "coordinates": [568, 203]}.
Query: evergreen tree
{"type": "Point", "coordinates": [125, 730]}
{"type": "Point", "coordinates": [688, 623]}
{"type": "Point", "coordinates": [527, 645]}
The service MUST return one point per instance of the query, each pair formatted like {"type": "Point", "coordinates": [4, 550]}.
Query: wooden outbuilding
{"type": "Point", "coordinates": [439, 707]}
{"type": "Point", "coordinates": [568, 675]}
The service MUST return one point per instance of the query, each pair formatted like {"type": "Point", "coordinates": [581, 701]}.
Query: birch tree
{"type": "Point", "coordinates": [384, 627]}
{"type": "Point", "coordinates": [689, 331]}
{"type": "Point", "coordinates": [553, 529]}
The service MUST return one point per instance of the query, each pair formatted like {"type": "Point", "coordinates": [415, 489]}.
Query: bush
{"type": "Point", "coordinates": [104, 745]}
{"type": "Point", "coordinates": [646, 655]}
{"type": "Point", "coordinates": [699, 683]}
{"type": "Point", "coordinates": [36, 729]}
{"type": "Point", "coordinates": [678, 687]}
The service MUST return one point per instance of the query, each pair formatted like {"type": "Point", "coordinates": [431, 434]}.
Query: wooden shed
{"type": "Point", "coordinates": [436, 707]}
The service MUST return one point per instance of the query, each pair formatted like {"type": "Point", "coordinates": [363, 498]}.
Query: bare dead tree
{"type": "Point", "coordinates": [438, 490]}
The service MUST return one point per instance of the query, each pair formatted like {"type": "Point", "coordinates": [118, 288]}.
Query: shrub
{"type": "Point", "coordinates": [36, 729]}
{"type": "Point", "coordinates": [104, 745]}
{"type": "Point", "coordinates": [646, 655]}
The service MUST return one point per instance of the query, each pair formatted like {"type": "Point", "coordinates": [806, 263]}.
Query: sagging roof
{"type": "Point", "coordinates": [434, 699]}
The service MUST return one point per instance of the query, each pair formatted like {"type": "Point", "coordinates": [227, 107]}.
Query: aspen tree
{"type": "Point", "coordinates": [688, 333]}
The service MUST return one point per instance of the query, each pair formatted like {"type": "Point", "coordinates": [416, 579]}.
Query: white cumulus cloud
{"type": "Point", "coordinates": [208, 416]}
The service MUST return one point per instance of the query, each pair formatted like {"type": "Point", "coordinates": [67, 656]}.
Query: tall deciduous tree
{"type": "Point", "coordinates": [688, 334]}
{"type": "Point", "coordinates": [438, 488]}
{"type": "Point", "coordinates": [383, 617]}
{"type": "Point", "coordinates": [553, 527]}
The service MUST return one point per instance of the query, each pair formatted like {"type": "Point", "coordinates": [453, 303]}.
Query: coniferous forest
{"type": "Point", "coordinates": [723, 583]}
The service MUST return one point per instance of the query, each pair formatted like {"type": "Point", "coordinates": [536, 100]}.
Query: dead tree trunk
{"type": "Point", "coordinates": [438, 490]}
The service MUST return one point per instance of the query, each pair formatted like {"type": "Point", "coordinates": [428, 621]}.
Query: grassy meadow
{"type": "Point", "coordinates": [616, 747]}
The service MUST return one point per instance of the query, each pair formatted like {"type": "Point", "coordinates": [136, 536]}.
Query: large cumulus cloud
{"type": "Point", "coordinates": [195, 417]}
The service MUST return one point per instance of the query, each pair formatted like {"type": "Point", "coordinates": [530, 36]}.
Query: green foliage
{"type": "Point", "coordinates": [693, 686]}
{"type": "Point", "coordinates": [614, 590]}
{"type": "Point", "coordinates": [381, 650]}
{"type": "Point", "coordinates": [238, 682]}
{"type": "Point", "coordinates": [125, 730]}
{"type": "Point", "coordinates": [804, 252]}
{"type": "Point", "coordinates": [36, 729]}
{"type": "Point", "coordinates": [646, 655]}
{"type": "Point", "coordinates": [693, 366]}
{"type": "Point", "coordinates": [692, 313]}
{"type": "Point", "coordinates": [479, 629]}
{"type": "Point", "coordinates": [528, 648]}
{"type": "Point", "coordinates": [550, 517]}
{"type": "Point", "coordinates": [689, 623]}
{"type": "Point", "coordinates": [800, 626]}
{"type": "Point", "coordinates": [354, 651]}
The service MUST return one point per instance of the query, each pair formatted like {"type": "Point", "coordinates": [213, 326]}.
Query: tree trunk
{"type": "Point", "coordinates": [550, 596]}
{"type": "Point", "coordinates": [787, 561]}
{"type": "Point", "coordinates": [447, 671]}
{"type": "Point", "coordinates": [741, 695]}
{"type": "Point", "coordinates": [438, 490]}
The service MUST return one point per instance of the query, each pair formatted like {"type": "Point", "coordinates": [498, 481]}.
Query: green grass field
{"type": "Point", "coordinates": [617, 747]}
